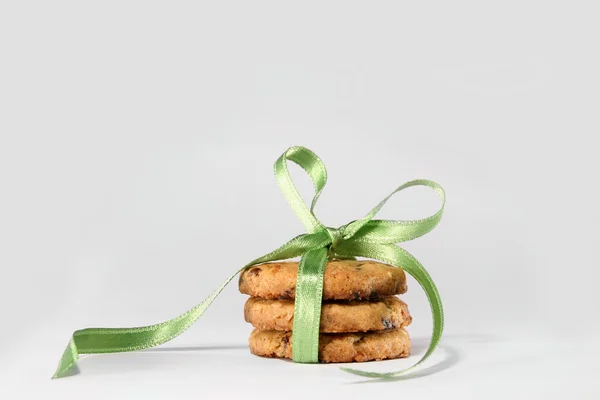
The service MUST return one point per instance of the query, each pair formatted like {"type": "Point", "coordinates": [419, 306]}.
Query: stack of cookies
{"type": "Point", "coordinates": [361, 317]}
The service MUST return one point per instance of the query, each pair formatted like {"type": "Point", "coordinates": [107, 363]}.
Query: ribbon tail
{"type": "Point", "coordinates": [116, 340]}
{"type": "Point", "coordinates": [392, 254]}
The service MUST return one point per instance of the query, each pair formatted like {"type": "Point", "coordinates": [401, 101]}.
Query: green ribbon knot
{"type": "Point", "coordinates": [366, 237]}
{"type": "Point", "coordinates": [335, 234]}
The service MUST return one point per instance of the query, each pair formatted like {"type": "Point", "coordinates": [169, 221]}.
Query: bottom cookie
{"type": "Point", "coordinates": [336, 347]}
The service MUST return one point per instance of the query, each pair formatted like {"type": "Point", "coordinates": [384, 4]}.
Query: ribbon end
{"type": "Point", "coordinates": [369, 374]}
{"type": "Point", "coordinates": [67, 366]}
{"type": "Point", "coordinates": [68, 370]}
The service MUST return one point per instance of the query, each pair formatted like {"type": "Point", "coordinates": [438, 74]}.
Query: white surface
{"type": "Point", "coordinates": [465, 367]}
{"type": "Point", "coordinates": [134, 135]}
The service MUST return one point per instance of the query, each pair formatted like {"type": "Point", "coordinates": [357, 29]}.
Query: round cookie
{"type": "Point", "coordinates": [336, 347]}
{"type": "Point", "coordinates": [339, 316]}
{"type": "Point", "coordinates": [343, 280]}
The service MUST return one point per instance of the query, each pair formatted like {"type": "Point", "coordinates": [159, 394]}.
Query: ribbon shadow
{"type": "Point", "coordinates": [197, 348]}
{"type": "Point", "coordinates": [157, 358]}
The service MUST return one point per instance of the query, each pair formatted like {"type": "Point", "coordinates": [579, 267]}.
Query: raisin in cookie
{"type": "Point", "coordinates": [343, 280]}
{"type": "Point", "coordinates": [336, 316]}
{"type": "Point", "coordinates": [336, 347]}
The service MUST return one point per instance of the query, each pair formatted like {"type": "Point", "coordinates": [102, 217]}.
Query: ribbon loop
{"type": "Point", "coordinates": [383, 231]}
{"type": "Point", "coordinates": [315, 169]}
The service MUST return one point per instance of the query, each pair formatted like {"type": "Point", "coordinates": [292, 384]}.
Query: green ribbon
{"type": "Point", "coordinates": [366, 237]}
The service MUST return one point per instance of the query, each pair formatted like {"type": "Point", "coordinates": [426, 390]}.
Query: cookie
{"type": "Point", "coordinates": [336, 347]}
{"type": "Point", "coordinates": [343, 280]}
{"type": "Point", "coordinates": [336, 316]}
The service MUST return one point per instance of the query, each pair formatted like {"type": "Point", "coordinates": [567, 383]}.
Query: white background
{"type": "Point", "coordinates": [136, 151]}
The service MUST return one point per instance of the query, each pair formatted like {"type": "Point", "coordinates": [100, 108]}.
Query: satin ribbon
{"type": "Point", "coordinates": [366, 237]}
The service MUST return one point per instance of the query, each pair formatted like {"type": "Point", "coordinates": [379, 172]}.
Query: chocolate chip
{"type": "Point", "coordinates": [374, 296]}
{"type": "Point", "coordinates": [285, 340]}
{"type": "Point", "coordinates": [287, 295]}
{"type": "Point", "coordinates": [355, 295]}
{"type": "Point", "coordinates": [254, 271]}
{"type": "Point", "coordinates": [387, 324]}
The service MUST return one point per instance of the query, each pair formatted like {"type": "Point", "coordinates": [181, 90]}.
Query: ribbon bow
{"type": "Point", "coordinates": [366, 237]}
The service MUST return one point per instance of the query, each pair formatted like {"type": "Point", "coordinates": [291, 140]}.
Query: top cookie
{"type": "Point", "coordinates": [343, 280]}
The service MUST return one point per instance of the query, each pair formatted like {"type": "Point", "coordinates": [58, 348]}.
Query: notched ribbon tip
{"type": "Point", "coordinates": [70, 370]}
{"type": "Point", "coordinates": [67, 366]}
